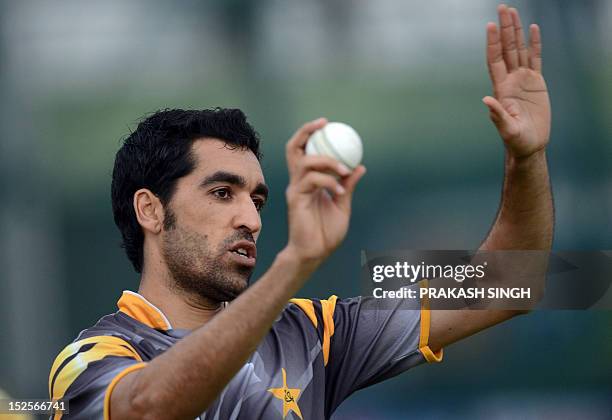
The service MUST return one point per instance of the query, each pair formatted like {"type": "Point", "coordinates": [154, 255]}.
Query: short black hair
{"type": "Point", "coordinates": [159, 152]}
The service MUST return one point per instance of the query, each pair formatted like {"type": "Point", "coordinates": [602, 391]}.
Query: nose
{"type": "Point", "coordinates": [247, 216]}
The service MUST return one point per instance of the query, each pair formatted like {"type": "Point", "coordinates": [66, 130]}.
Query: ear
{"type": "Point", "coordinates": [149, 210]}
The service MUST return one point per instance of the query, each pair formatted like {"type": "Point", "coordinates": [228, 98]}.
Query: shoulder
{"type": "Point", "coordinates": [317, 311]}
{"type": "Point", "coordinates": [317, 314]}
{"type": "Point", "coordinates": [110, 337]}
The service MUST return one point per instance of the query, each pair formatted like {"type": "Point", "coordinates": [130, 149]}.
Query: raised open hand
{"type": "Point", "coordinates": [520, 108]}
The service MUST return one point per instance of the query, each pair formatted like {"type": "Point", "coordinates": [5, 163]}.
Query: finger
{"type": "Point", "coordinates": [535, 48]}
{"type": "Point", "coordinates": [320, 164]}
{"type": "Point", "coordinates": [508, 38]}
{"type": "Point", "coordinates": [297, 142]}
{"type": "Point", "coordinates": [495, 60]}
{"type": "Point", "coordinates": [523, 54]}
{"type": "Point", "coordinates": [498, 114]}
{"type": "Point", "coordinates": [350, 183]}
{"type": "Point", "coordinates": [313, 181]}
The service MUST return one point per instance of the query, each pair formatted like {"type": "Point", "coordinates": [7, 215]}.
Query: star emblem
{"type": "Point", "coordinates": [288, 396]}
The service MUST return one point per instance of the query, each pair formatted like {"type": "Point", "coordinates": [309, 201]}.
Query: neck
{"type": "Point", "coordinates": [184, 311]}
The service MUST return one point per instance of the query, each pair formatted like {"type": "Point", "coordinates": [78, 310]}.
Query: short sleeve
{"type": "Point", "coordinates": [373, 340]}
{"type": "Point", "coordinates": [85, 373]}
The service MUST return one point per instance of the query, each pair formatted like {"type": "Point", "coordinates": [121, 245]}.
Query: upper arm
{"type": "Point", "coordinates": [117, 399]}
{"type": "Point", "coordinates": [86, 371]}
{"type": "Point", "coordinates": [449, 326]}
{"type": "Point", "coordinates": [523, 271]}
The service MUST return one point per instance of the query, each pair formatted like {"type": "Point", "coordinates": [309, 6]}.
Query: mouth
{"type": "Point", "coordinates": [244, 252]}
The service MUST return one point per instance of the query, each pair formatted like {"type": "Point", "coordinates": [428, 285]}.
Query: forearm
{"type": "Point", "coordinates": [524, 223]}
{"type": "Point", "coordinates": [182, 382]}
{"type": "Point", "coordinates": [525, 217]}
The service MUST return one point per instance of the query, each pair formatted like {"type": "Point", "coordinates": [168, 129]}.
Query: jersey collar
{"type": "Point", "coordinates": [137, 307]}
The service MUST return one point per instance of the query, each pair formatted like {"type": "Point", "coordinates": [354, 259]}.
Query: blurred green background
{"type": "Point", "coordinates": [75, 77]}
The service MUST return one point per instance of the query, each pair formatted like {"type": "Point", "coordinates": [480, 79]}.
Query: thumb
{"type": "Point", "coordinates": [498, 114]}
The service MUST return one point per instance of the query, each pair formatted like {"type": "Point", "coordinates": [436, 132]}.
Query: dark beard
{"type": "Point", "coordinates": [199, 271]}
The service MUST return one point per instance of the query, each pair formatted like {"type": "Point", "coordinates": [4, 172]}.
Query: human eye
{"type": "Point", "coordinates": [222, 193]}
{"type": "Point", "coordinates": [259, 203]}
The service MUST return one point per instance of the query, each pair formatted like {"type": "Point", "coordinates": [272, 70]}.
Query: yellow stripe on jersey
{"type": "Point", "coordinates": [328, 307]}
{"type": "Point", "coordinates": [103, 346]}
{"type": "Point", "coordinates": [307, 306]}
{"type": "Point", "coordinates": [111, 386]}
{"type": "Point", "coordinates": [429, 355]}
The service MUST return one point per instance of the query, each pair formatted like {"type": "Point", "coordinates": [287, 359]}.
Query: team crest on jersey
{"type": "Point", "coordinates": [289, 397]}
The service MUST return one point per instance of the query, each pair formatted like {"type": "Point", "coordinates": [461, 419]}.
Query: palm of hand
{"type": "Point", "coordinates": [521, 107]}
{"type": "Point", "coordinates": [524, 96]}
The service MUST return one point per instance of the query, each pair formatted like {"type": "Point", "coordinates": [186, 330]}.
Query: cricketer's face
{"type": "Point", "coordinates": [213, 220]}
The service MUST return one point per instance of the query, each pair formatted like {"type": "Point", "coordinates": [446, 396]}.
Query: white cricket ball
{"type": "Point", "coordinates": [339, 141]}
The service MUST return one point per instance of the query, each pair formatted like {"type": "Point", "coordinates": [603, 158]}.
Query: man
{"type": "Point", "coordinates": [187, 191]}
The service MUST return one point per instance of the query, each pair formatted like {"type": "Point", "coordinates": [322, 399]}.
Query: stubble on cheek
{"type": "Point", "coordinates": [197, 269]}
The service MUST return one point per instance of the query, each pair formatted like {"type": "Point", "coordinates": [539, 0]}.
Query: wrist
{"type": "Point", "coordinates": [523, 162]}
{"type": "Point", "coordinates": [291, 257]}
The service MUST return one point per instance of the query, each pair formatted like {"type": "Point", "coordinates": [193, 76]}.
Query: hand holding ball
{"type": "Point", "coordinates": [339, 141]}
